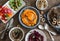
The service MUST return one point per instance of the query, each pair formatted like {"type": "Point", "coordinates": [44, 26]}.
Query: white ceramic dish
{"type": "Point", "coordinates": [14, 12]}
{"type": "Point", "coordinates": [13, 29]}
{"type": "Point", "coordinates": [41, 32]}
{"type": "Point", "coordinates": [42, 8]}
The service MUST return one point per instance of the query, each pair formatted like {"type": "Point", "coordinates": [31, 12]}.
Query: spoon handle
{"type": "Point", "coordinates": [51, 35]}
{"type": "Point", "coordinates": [5, 33]}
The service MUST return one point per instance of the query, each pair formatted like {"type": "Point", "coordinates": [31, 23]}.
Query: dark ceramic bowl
{"type": "Point", "coordinates": [32, 8]}
{"type": "Point", "coordinates": [48, 19]}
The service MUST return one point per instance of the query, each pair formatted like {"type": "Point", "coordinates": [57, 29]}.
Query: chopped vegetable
{"type": "Point", "coordinates": [5, 13]}
{"type": "Point", "coordinates": [35, 36]}
{"type": "Point", "coordinates": [14, 4]}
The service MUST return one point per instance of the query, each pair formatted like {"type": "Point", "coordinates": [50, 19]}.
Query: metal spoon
{"type": "Point", "coordinates": [8, 26]}
{"type": "Point", "coordinates": [46, 27]}
{"type": "Point", "coordinates": [43, 20]}
{"type": "Point", "coordinates": [42, 28]}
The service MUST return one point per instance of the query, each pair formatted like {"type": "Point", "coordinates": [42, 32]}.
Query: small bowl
{"type": "Point", "coordinates": [41, 7]}
{"type": "Point", "coordinates": [39, 31]}
{"type": "Point", "coordinates": [12, 30]}
{"type": "Point", "coordinates": [37, 12]}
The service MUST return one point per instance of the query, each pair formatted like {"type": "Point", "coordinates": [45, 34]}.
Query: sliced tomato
{"type": "Point", "coordinates": [4, 11]}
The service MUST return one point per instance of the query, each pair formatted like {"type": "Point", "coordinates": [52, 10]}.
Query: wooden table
{"type": "Point", "coordinates": [32, 3]}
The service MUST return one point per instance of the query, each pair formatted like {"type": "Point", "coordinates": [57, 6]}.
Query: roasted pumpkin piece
{"type": "Point", "coordinates": [29, 17]}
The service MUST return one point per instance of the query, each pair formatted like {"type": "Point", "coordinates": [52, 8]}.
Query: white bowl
{"type": "Point", "coordinates": [40, 32]}
{"type": "Point", "coordinates": [41, 7]}
{"type": "Point", "coordinates": [13, 29]}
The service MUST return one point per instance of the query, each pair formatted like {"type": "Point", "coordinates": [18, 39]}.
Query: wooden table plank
{"type": "Point", "coordinates": [32, 3]}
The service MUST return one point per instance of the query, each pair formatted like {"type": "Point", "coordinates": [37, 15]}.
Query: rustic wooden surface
{"type": "Point", "coordinates": [32, 3]}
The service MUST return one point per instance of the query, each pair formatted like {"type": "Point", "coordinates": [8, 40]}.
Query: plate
{"type": "Point", "coordinates": [39, 31]}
